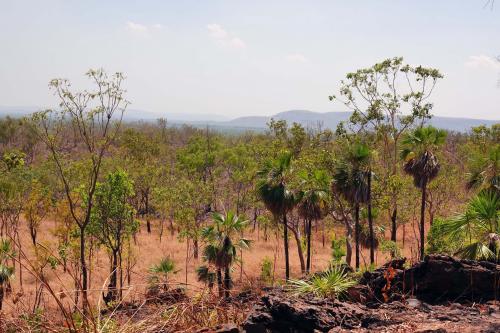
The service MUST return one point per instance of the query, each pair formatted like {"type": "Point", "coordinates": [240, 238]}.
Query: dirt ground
{"type": "Point", "coordinates": [149, 250]}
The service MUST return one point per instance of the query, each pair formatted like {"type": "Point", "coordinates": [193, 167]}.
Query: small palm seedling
{"type": "Point", "coordinates": [6, 271]}
{"type": "Point", "coordinates": [160, 273]}
{"type": "Point", "coordinates": [220, 253]}
{"type": "Point", "coordinates": [333, 283]}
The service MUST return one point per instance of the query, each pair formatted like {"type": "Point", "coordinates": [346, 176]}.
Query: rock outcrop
{"type": "Point", "coordinates": [437, 279]}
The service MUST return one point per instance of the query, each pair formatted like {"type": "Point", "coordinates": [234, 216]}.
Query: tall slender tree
{"type": "Point", "coordinates": [95, 116]}
{"type": "Point", "coordinates": [350, 180]}
{"type": "Point", "coordinates": [389, 97]}
{"type": "Point", "coordinates": [422, 164]}
{"type": "Point", "coordinates": [312, 204]}
{"type": "Point", "coordinates": [273, 189]}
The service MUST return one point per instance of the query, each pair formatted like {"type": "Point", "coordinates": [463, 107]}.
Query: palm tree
{"type": "Point", "coordinates": [6, 271]}
{"type": "Point", "coordinates": [485, 173]}
{"type": "Point", "coordinates": [422, 164]}
{"type": "Point", "coordinates": [479, 224]}
{"type": "Point", "coordinates": [161, 272]}
{"type": "Point", "coordinates": [272, 188]}
{"type": "Point", "coordinates": [350, 179]}
{"type": "Point", "coordinates": [221, 249]}
{"type": "Point", "coordinates": [312, 204]}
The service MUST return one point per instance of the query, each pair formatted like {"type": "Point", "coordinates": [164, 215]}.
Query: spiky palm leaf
{"type": "Point", "coordinates": [271, 186]}
{"type": "Point", "coordinates": [480, 225]}
{"type": "Point", "coordinates": [334, 282]}
{"type": "Point", "coordinates": [485, 173]}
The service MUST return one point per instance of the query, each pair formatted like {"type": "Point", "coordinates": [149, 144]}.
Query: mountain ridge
{"type": "Point", "coordinates": [306, 118]}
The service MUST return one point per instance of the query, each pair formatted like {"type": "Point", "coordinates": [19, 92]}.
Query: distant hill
{"type": "Point", "coordinates": [331, 120]}
{"type": "Point", "coordinates": [259, 123]}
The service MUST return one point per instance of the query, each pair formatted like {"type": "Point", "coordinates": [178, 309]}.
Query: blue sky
{"type": "Point", "coordinates": [236, 58]}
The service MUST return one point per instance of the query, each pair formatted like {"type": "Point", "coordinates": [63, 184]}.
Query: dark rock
{"type": "Point", "coordinates": [283, 313]}
{"type": "Point", "coordinates": [438, 279]}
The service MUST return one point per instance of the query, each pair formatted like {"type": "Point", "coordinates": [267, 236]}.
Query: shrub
{"type": "Point", "coordinates": [333, 283]}
{"type": "Point", "coordinates": [266, 270]}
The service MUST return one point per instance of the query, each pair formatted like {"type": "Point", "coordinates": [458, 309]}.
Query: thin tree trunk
{"type": "Point", "coordinates": [195, 248]}
{"type": "Point", "coordinates": [348, 245]}
{"type": "Point", "coordinates": [370, 219]}
{"type": "Point", "coordinates": [299, 250]}
{"type": "Point", "coordinates": [356, 233]}
{"type": "Point", "coordinates": [227, 281]}
{"type": "Point", "coordinates": [285, 239]}
{"type": "Point", "coordinates": [308, 233]}
{"type": "Point", "coordinates": [111, 295]}
{"type": "Point", "coordinates": [422, 221]}
{"type": "Point", "coordinates": [393, 224]}
{"type": "Point", "coordinates": [146, 208]}
{"type": "Point", "coordinates": [83, 264]}
{"type": "Point", "coordinates": [220, 286]}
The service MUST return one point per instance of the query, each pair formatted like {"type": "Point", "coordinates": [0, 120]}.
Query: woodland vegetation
{"type": "Point", "coordinates": [78, 185]}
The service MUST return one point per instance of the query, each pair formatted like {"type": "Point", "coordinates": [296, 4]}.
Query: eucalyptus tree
{"type": "Point", "coordinates": [389, 98]}
{"type": "Point", "coordinates": [94, 117]}
{"type": "Point", "coordinates": [113, 223]}
{"type": "Point", "coordinates": [221, 248]}
{"type": "Point", "coordinates": [312, 203]}
{"type": "Point", "coordinates": [422, 164]}
{"type": "Point", "coordinates": [274, 191]}
{"type": "Point", "coordinates": [38, 205]}
{"type": "Point", "coordinates": [141, 158]}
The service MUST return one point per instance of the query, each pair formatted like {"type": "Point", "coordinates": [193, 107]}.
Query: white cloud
{"type": "Point", "coordinates": [137, 27]}
{"type": "Point", "coordinates": [224, 37]}
{"type": "Point", "coordinates": [296, 58]}
{"type": "Point", "coordinates": [483, 61]}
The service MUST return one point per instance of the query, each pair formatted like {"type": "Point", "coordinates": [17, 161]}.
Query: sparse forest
{"type": "Point", "coordinates": [114, 226]}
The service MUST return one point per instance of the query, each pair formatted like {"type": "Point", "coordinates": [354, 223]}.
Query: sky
{"type": "Point", "coordinates": [238, 58]}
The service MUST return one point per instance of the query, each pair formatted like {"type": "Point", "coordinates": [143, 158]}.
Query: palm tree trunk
{"type": "Point", "coordinates": [227, 281]}
{"type": "Point", "coordinates": [1, 295]}
{"type": "Point", "coordinates": [309, 227]}
{"type": "Point", "coordinates": [370, 219]}
{"type": "Point", "coordinates": [422, 220]}
{"type": "Point", "coordinates": [356, 233]}
{"type": "Point", "coordinates": [348, 245]}
{"type": "Point", "coordinates": [148, 223]}
{"type": "Point", "coordinates": [219, 282]}
{"type": "Point", "coordinates": [285, 238]}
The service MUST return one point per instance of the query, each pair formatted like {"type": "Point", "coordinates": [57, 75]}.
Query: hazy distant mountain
{"type": "Point", "coordinates": [259, 123]}
{"type": "Point", "coordinates": [130, 114]}
{"type": "Point", "coordinates": [331, 119]}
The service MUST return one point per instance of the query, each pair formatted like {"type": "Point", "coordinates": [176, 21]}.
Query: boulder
{"type": "Point", "coordinates": [437, 279]}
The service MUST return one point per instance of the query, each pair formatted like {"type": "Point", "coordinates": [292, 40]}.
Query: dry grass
{"type": "Point", "coordinates": [150, 250]}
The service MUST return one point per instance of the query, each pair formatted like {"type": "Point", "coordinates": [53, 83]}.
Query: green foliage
{"type": "Point", "coordinates": [34, 321]}
{"type": "Point", "coordinates": [333, 283]}
{"type": "Point", "coordinates": [112, 219]}
{"type": "Point", "coordinates": [476, 232]}
{"type": "Point", "coordinates": [420, 161]}
{"type": "Point", "coordinates": [266, 270]}
{"type": "Point", "coordinates": [338, 249]}
{"type": "Point", "coordinates": [159, 273]}
{"type": "Point", "coordinates": [221, 247]}
{"type": "Point", "coordinates": [388, 246]}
